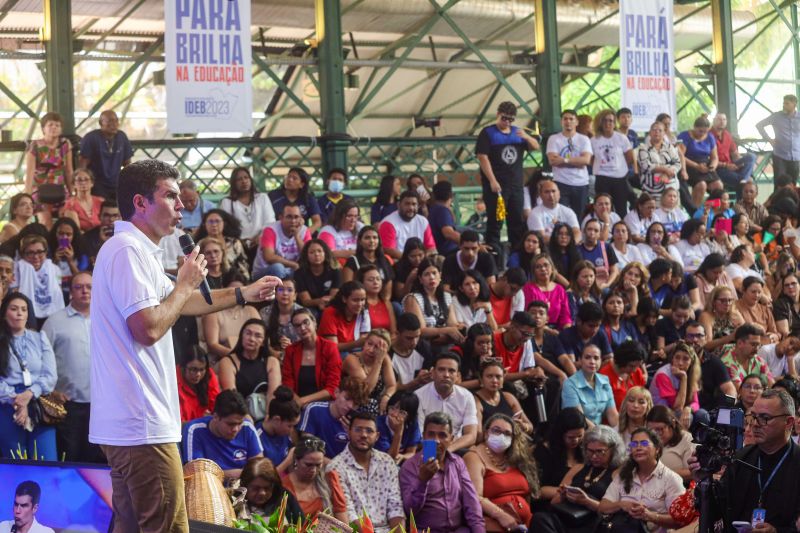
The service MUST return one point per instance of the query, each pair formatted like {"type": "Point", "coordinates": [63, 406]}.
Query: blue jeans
{"type": "Point", "coordinates": [743, 172]}
{"type": "Point", "coordinates": [39, 443]}
{"type": "Point", "coordinates": [275, 269]}
{"type": "Point", "coordinates": [576, 197]}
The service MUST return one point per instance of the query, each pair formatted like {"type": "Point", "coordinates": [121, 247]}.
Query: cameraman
{"type": "Point", "coordinates": [777, 488]}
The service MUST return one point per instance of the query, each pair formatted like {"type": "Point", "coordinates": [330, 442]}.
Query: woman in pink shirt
{"type": "Point", "coordinates": [544, 288]}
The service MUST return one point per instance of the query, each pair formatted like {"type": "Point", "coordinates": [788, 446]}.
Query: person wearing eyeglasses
{"type": "Point", "coordinates": [369, 478]}
{"type": "Point", "coordinates": [280, 244]}
{"type": "Point", "coordinates": [504, 474]}
{"type": "Point", "coordinates": [776, 489]}
{"type": "Point", "coordinates": [38, 278]}
{"type": "Point", "coordinates": [584, 485]}
{"type": "Point", "coordinates": [752, 387]}
{"type": "Point", "coordinates": [644, 488]}
{"type": "Point", "coordinates": [742, 357]}
{"type": "Point", "coordinates": [399, 434]}
{"type": "Point", "coordinates": [501, 149]}
{"type": "Point", "coordinates": [198, 385]}
{"type": "Point", "coordinates": [312, 366]}
{"type": "Point", "coordinates": [714, 379]}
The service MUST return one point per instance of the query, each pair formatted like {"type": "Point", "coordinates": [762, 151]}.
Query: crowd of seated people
{"type": "Point", "coordinates": [406, 366]}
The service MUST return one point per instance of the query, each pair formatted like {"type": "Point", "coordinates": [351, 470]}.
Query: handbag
{"type": "Point", "coordinates": [45, 409]}
{"type": "Point", "coordinates": [51, 193]}
{"type": "Point", "coordinates": [620, 522]}
{"type": "Point", "coordinates": [572, 514]}
{"type": "Point", "coordinates": [257, 402]}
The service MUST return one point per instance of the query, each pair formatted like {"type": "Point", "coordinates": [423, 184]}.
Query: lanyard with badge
{"type": "Point", "coordinates": [26, 374]}
{"type": "Point", "coordinates": [759, 513]}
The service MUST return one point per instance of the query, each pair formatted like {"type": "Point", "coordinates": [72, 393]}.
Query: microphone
{"type": "Point", "coordinates": [187, 245]}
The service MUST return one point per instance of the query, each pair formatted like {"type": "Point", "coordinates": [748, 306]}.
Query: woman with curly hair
{"type": "Point", "coordinates": [504, 474]}
{"type": "Point", "coordinates": [222, 225]}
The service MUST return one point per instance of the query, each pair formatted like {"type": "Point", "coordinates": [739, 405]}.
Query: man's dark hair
{"type": "Point", "coordinates": [521, 318]}
{"type": "Point", "coordinates": [287, 204]}
{"type": "Point", "coordinates": [541, 304]}
{"type": "Point", "coordinates": [29, 488]}
{"type": "Point", "coordinates": [408, 322]}
{"type": "Point", "coordinates": [442, 191]}
{"type": "Point", "coordinates": [659, 267]}
{"type": "Point", "coordinates": [438, 418]}
{"type": "Point", "coordinates": [624, 110]}
{"type": "Point", "coordinates": [141, 177]}
{"type": "Point", "coordinates": [362, 415]}
{"type": "Point", "coordinates": [629, 352]}
{"type": "Point", "coordinates": [447, 355]}
{"type": "Point", "coordinates": [695, 324]}
{"type": "Point", "coordinates": [469, 235]}
{"type": "Point", "coordinates": [716, 194]}
{"type": "Point", "coordinates": [590, 312]}
{"type": "Point", "coordinates": [681, 302]}
{"type": "Point", "coordinates": [569, 112]}
{"type": "Point", "coordinates": [516, 276]}
{"type": "Point", "coordinates": [408, 194]}
{"type": "Point", "coordinates": [337, 170]}
{"type": "Point", "coordinates": [230, 402]}
{"type": "Point", "coordinates": [745, 330]}
{"type": "Point", "coordinates": [790, 98]}
{"type": "Point", "coordinates": [507, 108]}
{"type": "Point", "coordinates": [109, 203]}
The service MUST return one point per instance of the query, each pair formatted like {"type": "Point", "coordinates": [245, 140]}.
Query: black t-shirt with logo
{"type": "Point", "coordinates": [506, 152]}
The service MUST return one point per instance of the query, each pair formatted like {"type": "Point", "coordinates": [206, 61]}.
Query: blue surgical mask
{"type": "Point", "coordinates": [335, 186]}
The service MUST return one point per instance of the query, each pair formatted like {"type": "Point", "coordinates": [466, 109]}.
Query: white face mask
{"type": "Point", "coordinates": [498, 443]}
{"type": "Point", "coordinates": [335, 186]}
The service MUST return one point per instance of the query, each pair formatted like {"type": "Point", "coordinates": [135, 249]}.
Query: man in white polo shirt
{"type": "Point", "coordinates": [403, 224]}
{"type": "Point", "coordinates": [135, 414]}
{"type": "Point", "coordinates": [569, 152]}
{"type": "Point", "coordinates": [550, 212]}
{"type": "Point", "coordinates": [443, 395]}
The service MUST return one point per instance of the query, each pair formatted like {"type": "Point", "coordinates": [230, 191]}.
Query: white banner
{"type": "Point", "coordinates": [208, 66]}
{"type": "Point", "coordinates": [647, 57]}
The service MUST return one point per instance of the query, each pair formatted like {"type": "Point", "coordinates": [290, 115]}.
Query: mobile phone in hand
{"type": "Point", "coordinates": [63, 242]}
{"type": "Point", "coordinates": [428, 450]}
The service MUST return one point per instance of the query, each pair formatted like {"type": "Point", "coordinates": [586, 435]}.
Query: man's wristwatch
{"type": "Point", "coordinates": [239, 296]}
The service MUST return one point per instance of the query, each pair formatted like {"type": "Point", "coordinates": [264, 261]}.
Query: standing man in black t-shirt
{"type": "Point", "coordinates": [501, 148]}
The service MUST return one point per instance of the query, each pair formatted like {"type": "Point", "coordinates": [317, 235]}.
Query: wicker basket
{"type": "Point", "coordinates": [328, 524]}
{"type": "Point", "coordinates": [206, 497]}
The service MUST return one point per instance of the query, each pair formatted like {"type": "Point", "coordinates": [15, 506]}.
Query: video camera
{"type": "Point", "coordinates": [719, 441]}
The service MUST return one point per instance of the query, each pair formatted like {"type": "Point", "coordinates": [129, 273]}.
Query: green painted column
{"type": "Point", "coordinates": [331, 83]}
{"type": "Point", "coordinates": [548, 72]}
{"type": "Point", "coordinates": [724, 77]}
{"type": "Point", "coordinates": [57, 36]}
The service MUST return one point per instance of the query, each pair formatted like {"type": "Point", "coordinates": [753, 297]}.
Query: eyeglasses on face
{"type": "Point", "coordinates": [301, 324]}
{"type": "Point", "coordinates": [287, 290]}
{"type": "Point", "coordinates": [507, 118]}
{"type": "Point", "coordinates": [195, 370]}
{"type": "Point", "coordinates": [639, 444]}
{"type": "Point", "coordinates": [499, 432]}
{"type": "Point", "coordinates": [596, 451]}
{"type": "Point", "coordinates": [753, 387]}
{"type": "Point", "coordinates": [33, 253]}
{"type": "Point", "coordinates": [761, 419]}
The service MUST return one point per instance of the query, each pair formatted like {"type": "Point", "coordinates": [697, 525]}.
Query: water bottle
{"type": "Point", "coordinates": [541, 408]}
